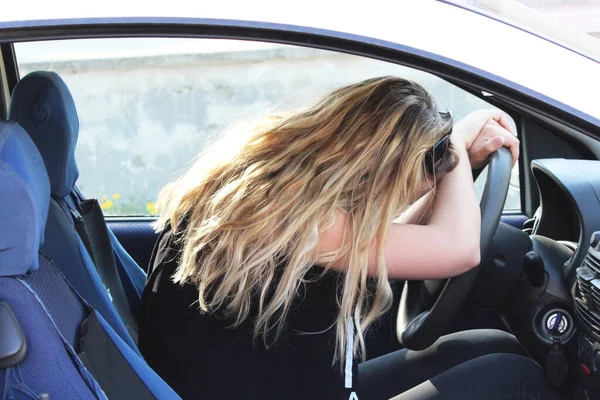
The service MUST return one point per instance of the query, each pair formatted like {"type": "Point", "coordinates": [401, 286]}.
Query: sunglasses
{"type": "Point", "coordinates": [436, 154]}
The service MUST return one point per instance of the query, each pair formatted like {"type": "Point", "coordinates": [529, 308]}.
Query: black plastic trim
{"type": "Point", "coordinates": [11, 73]}
{"type": "Point", "coordinates": [10, 65]}
{"type": "Point", "coordinates": [13, 345]}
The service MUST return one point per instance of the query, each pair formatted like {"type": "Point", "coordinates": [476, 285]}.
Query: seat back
{"type": "Point", "coordinates": [54, 343]}
{"type": "Point", "coordinates": [48, 363]}
{"type": "Point", "coordinates": [43, 105]}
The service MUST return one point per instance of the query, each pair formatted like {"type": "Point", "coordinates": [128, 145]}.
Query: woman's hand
{"type": "Point", "coordinates": [483, 132]}
{"type": "Point", "coordinates": [491, 138]}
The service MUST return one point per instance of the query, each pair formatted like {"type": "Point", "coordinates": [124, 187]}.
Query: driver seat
{"type": "Point", "coordinates": [52, 342]}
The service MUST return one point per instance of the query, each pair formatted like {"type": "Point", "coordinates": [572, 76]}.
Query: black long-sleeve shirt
{"type": "Point", "coordinates": [202, 357]}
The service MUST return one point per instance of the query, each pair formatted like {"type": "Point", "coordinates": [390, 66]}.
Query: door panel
{"type": "Point", "coordinates": [515, 220]}
{"type": "Point", "coordinates": [138, 237]}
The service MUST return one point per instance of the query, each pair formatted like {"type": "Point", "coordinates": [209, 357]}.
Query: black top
{"type": "Point", "coordinates": [200, 356]}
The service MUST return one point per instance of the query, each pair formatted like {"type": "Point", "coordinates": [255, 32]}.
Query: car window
{"type": "Point", "coordinates": [147, 106]}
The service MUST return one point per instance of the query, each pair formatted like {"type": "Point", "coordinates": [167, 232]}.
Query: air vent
{"type": "Point", "coordinates": [587, 299]}
{"type": "Point", "coordinates": [592, 262]}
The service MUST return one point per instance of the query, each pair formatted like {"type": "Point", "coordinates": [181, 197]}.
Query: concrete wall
{"type": "Point", "coordinates": [144, 118]}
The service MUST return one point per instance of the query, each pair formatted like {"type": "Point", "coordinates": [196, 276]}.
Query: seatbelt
{"type": "Point", "coordinates": [100, 355]}
{"type": "Point", "coordinates": [130, 284]}
{"type": "Point", "coordinates": [100, 249]}
{"type": "Point", "coordinates": [107, 364]}
{"type": "Point", "coordinates": [70, 206]}
{"type": "Point", "coordinates": [92, 383]}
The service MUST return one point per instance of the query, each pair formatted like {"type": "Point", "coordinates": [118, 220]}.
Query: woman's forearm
{"type": "Point", "coordinates": [456, 210]}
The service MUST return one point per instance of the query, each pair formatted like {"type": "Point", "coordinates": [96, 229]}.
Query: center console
{"type": "Point", "coordinates": [587, 314]}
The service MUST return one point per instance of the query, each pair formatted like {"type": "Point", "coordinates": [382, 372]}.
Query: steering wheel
{"type": "Point", "coordinates": [421, 318]}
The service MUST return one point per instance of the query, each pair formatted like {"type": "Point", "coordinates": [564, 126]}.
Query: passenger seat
{"type": "Point", "coordinates": [53, 344]}
{"type": "Point", "coordinates": [42, 104]}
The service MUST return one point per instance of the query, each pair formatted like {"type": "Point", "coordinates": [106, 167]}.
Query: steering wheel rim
{"type": "Point", "coordinates": [419, 325]}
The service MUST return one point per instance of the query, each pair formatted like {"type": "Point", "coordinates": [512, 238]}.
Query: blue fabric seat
{"type": "Point", "coordinates": [49, 365]}
{"type": "Point", "coordinates": [42, 104]}
{"type": "Point", "coordinates": [49, 311]}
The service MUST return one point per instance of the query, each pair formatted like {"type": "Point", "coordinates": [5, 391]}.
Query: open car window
{"type": "Point", "coordinates": [147, 106]}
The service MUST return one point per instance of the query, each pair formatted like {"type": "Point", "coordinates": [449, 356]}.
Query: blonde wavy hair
{"type": "Point", "coordinates": [250, 217]}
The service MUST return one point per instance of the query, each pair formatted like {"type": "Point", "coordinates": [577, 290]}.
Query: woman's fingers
{"type": "Point", "coordinates": [479, 155]}
{"type": "Point", "coordinates": [497, 116]}
{"type": "Point", "coordinates": [471, 127]}
{"type": "Point", "coordinates": [494, 144]}
{"type": "Point", "coordinates": [501, 118]}
{"type": "Point", "coordinates": [491, 138]}
{"type": "Point", "coordinates": [510, 140]}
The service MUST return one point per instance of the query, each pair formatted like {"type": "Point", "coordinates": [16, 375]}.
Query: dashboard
{"type": "Point", "coordinates": [557, 311]}
{"type": "Point", "coordinates": [569, 202]}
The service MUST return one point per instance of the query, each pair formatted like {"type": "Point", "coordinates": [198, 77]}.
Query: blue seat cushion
{"type": "Point", "coordinates": [49, 367]}
{"type": "Point", "coordinates": [25, 195]}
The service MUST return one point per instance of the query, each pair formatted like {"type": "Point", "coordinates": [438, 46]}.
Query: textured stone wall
{"type": "Point", "coordinates": [144, 118]}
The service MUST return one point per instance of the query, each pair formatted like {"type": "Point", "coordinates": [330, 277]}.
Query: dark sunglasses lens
{"type": "Point", "coordinates": [439, 151]}
{"type": "Point", "coordinates": [436, 154]}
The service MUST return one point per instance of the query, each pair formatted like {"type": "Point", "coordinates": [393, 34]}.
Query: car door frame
{"type": "Point", "coordinates": [494, 89]}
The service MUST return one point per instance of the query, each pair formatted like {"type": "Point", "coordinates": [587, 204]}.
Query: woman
{"type": "Point", "coordinates": [275, 254]}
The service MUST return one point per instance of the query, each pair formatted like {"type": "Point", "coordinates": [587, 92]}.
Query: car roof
{"type": "Point", "coordinates": [428, 27]}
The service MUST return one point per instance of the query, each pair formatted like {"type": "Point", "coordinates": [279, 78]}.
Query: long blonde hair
{"type": "Point", "coordinates": [360, 149]}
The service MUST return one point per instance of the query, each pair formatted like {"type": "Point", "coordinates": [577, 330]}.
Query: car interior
{"type": "Point", "coordinates": [71, 278]}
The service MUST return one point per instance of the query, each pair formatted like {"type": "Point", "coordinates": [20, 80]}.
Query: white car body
{"type": "Point", "coordinates": [466, 39]}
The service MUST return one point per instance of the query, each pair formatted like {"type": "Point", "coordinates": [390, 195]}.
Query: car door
{"type": "Point", "coordinates": [147, 106]}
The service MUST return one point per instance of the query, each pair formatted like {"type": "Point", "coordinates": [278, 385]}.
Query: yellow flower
{"type": "Point", "coordinates": [116, 196]}
{"type": "Point", "coordinates": [103, 199]}
{"type": "Point", "coordinates": [151, 207]}
{"type": "Point", "coordinates": [105, 205]}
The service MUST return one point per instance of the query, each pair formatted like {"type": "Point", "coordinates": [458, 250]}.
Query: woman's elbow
{"type": "Point", "coordinates": [466, 255]}
{"type": "Point", "coordinates": [470, 258]}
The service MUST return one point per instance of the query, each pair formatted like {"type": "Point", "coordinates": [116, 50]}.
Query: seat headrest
{"type": "Point", "coordinates": [42, 104]}
{"type": "Point", "coordinates": [24, 200]}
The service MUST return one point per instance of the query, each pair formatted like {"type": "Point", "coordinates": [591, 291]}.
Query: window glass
{"type": "Point", "coordinates": [147, 106]}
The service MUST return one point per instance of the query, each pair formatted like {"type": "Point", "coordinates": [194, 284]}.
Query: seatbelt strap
{"type": "Point", "coordinates": [99, 356]}
{"type": "Point", "coordinates": [92, 383]}
{"type": "Point", "coordinates": [82, 232]}
{"type": "Point", "coordinates": [132, 283]}
{"type": "Point", "coordinates": [102, 252]}
{"type": "Point", "coordinates": [107, 363]}
{"type": "Point", "coordinates": [70, 207]}
{"type": "Point", "coordinates": [89, 223]}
